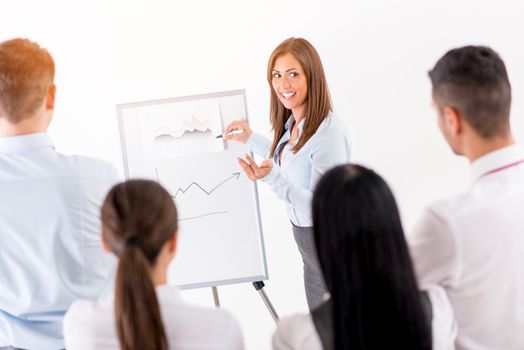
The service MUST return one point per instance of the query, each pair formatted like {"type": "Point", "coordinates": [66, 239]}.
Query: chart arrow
{"type": "Point", "coordinates": [207, 192]}
{"type": "Point", "coordinates": [180, 190]}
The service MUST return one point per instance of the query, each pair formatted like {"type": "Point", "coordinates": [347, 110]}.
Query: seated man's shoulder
{"type": "Point", "coordinates": [88, 166]}
{"type": "Point", "coordinates": [454, 206]}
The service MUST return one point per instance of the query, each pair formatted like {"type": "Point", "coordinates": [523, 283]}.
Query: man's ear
{"type": "Point", "coordinates": [173, 243]}
{"type": "Point", "coordinates": [453, 121]}
{"type": "Point", "coordinates": [50, 98]}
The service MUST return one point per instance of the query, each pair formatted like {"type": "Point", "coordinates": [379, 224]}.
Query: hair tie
{"type": "Point", "coordinates": [134, 241]}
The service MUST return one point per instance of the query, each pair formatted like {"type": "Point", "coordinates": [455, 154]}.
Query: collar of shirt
{"type": "Point", "coordinates": [288, 126]}
{"type": "Point", "coordinates": [291, 120]}
{"type": "Point", "coordinates": [15, 144]}
{"type": "Point", "coordinates": [287, 135]}
{"type": "Point", "coordinates": [497, 159]}
{"type": "Point", "coordinates": [289, 123]}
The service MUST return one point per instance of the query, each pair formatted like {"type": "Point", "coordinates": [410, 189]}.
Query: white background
{"type": "Point", "coordinates": [376, 55]}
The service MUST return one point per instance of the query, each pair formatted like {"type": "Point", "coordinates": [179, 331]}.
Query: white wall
{"type": "Point", "coordinates": [376, 55]}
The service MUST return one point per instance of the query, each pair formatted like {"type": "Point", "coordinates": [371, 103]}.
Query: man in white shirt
{"type": "Point", "coordinates": [50, 250]}
{"type": "Point", "coordinates": [473, 244]}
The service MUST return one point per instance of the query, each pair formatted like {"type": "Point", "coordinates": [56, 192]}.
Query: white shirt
{"type": "Point", "coordinates": [91, 325]}
{"type": "Point", "coordinates": [473, 246]}
{"type": "Point", "coordinates": [298, 331]}
{"type": "Point", "coordinates": [50, 251]}
{"type": "Point", "coordinates": [295, 178]}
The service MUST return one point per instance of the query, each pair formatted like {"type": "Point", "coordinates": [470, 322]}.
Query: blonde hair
{"type": "Point", "coordinates": [26, 73]}
{"type": "Point", "coordinates": [318, 101]}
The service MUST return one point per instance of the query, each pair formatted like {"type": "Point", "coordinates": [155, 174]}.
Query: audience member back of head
{"type": "Point", "coordinates": [49, 204]}
{"type": "Point", "coordinates": [473, 244]}
{"type": "Point", "coordinates": [139, 226]}
{"type": "Point", "coordinates": [374, 299]}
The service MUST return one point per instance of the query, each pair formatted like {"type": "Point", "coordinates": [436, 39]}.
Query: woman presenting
{"type": "Point", "coordinates": [308, 140]}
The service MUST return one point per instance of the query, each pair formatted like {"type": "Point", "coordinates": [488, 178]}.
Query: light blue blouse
{"type": "Point", "coordinates": [294, 179]}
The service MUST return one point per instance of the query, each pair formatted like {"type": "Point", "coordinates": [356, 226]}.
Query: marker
{"type": "Point", "coordinates": [234, 132]}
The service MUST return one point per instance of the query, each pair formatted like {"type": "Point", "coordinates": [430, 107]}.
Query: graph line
{"type": "Point", "coordinates": [207, 192]}
{"type": "Point", "coordinates": [203, 215]}
{"type": "Point", "coordinates": [192, 125]}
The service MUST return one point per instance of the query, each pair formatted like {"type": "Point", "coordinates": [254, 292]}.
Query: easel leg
{"type": "Point", "coordinates": [259, 286]}
{"type": "Point", "coordinates": [215, 296]}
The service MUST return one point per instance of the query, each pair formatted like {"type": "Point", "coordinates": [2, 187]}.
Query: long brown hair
{"type": "Point", "coordinates": [318, 98]}
{"type": "Point", "coordinates": [138, 218]}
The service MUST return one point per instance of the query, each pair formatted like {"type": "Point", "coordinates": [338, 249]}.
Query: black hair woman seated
{"type": "Point", "coordinates": [374, 300]}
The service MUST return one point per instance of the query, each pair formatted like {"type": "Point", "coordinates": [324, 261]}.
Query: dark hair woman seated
{"type": "Point", "coordinates": [139, 226]}
{"type": "Point", "coordinates": [374, 300]}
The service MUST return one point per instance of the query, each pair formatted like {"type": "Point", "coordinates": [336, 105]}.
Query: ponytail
{"type": "Point", "coordinates": [138, 218]}
{"type": "Point", "coordinates": [138, 320]}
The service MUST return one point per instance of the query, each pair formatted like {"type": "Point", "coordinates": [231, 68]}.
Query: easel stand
{"type": "Point", "coordinates": [259, 286]}
{"type": "Point", "coordinates": [215, 296]}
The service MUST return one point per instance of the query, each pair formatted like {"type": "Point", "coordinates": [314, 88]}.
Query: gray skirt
{"type": "Point", "coordinates": [313, 279]}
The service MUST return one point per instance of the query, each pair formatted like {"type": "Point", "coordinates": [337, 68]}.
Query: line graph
{"type": "Point", "coordinates": [208, 192]}
{"type": "Point", "coordinates": [203, 215]}
{"type": "Point", "coordinates": [191, 125]}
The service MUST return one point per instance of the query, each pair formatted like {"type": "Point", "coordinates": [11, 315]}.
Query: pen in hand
{"type": "Point", "coordinates": [234, 132]}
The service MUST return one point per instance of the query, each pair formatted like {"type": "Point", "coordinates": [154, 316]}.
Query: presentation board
{"type": "Point", "coordinates": [173, 141]}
